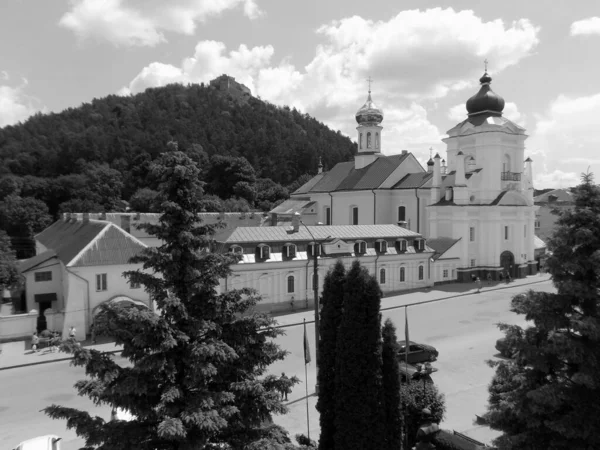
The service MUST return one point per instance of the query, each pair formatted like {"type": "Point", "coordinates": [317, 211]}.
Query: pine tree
{"type": "Point", "coordinates": [413, 399]}
{"type": "Point", "coordinates": [358, 410]}
{"type": "Point", "coordinates": [196, 363]}
{"type": "Point", "coordinates": [391, 387]}
{"type": "Point", "coordinates": [331, 316]}
{"type": "Point", "coordinates": [548, 396]}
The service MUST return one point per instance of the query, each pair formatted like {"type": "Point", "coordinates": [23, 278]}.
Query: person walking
{"type": "Point", "coordinates": [489, 278]}
{"type": "Point", "coordinates": [478, 285]}
{"type": "Point", "coordinates": [35, 341]}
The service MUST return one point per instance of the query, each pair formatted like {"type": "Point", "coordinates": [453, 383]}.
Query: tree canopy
{"type": "Point", "coordinates": [198, 364]}
{"type": "Point", "coordinates": [9, 273]}
{"type": "Point", "coordinates": [546, 397]}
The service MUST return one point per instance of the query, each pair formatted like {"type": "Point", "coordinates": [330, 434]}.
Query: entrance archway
{"type": "Point", "coordinates": [507, 261]}
{"type": "Point", "coordinates": [119, 299]}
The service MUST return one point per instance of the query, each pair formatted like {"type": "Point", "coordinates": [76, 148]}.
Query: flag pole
{"type": "Point", "coordinates": [306, 361]}
{"type": "Point", "coordinates": [406, 347]}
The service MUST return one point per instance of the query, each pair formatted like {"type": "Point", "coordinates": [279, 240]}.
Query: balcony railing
{"type": "Point", "coordinates": [511, 176]}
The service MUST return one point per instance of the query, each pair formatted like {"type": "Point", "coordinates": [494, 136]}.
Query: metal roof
{"type": "Point", "coordinates": [441, 245]}
{"type": "Point", "coordinates": [320, 232]}
{"type": "Point", "coordinates": [538, 243]}
{"type": "Point", "coordinates": [413, 180]}
{"type": "Point", "coordinates": [292, 205]}
{"type": "Point", "coordinates": [34, 261]}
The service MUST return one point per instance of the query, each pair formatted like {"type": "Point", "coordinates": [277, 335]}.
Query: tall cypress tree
{"type": "Point", "coordinates": [195, 370]}
{"type": "Point", "coordinates": [391, 387]}
{"type": "Point", "coordinates": [548, 396]}
{"type": "Point", "coordinates": [331, 317]}
{"type": "Point", "coordinates": [358, 389]}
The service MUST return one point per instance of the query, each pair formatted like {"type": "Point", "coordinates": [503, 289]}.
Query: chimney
{"type": "Point", "coordinates": [296, 222]}
{"type": "Point", "coordinates": [86, 217]}
{"type": "Point", "coordinates": [404, 152]}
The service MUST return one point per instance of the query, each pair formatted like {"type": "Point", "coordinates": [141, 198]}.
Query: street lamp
{"type": "Point", "coordinates": [316, 296]}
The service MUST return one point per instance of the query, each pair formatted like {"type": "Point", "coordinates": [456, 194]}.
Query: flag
{"type": "Point", "coordinates": [306, 347]}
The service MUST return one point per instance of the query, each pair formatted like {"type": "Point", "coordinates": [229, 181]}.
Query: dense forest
{"type": "Point", "coordinates": [96, 157]}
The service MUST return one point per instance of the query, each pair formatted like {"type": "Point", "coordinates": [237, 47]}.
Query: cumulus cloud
{"type": "Point", "coordinates": [586, 26]}
{"type": "Point", "coordinates": [556, 179]}
{"type": "Point", "coordinates": [137, 23]}
{"type": "Point", "coordinates": [567, 137]}
{"type": "Point", "coordinates": [15, 105]}
{"type": "Point", "coordinates": [416, 58]}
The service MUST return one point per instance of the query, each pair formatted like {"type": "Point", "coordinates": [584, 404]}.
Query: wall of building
{"type": "Point", "coordinates": [55, 285]}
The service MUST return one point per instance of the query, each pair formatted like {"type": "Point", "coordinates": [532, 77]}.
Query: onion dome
{"type": "Point", "coordinates": [430, 162]}
{"type": "Point", "coordinates": [485, 100]}
{"type": "Point", "coordinates": [369, 114]}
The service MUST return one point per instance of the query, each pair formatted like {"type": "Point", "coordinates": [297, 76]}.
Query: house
{"type": "Point", "coordinates": [279, 261]}
{"type": "Point", "coordinates": [79, 266]}
{"type": "Point", "coordinates": [481, 199]}
{"type": "Point", "coordinates": [555, 200]}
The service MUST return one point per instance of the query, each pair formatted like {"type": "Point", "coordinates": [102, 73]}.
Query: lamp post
{"type": "Point", "coordinates": [316, 296]}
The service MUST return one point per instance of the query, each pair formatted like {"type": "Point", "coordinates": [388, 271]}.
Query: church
{"type": "Point", "coordinates": [479, 202]}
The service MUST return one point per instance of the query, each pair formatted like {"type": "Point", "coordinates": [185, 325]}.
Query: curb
{"type": "Point", "coordinates": [37, 363]}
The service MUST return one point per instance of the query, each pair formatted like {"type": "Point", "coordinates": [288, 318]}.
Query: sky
{"type": "Point", "coordinates": [425, 59]}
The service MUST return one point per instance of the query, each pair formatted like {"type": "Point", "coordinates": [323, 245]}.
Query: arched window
{"type": "Point", "coordinates": [263, 251]}
{"type": "Point", "coordinates": [402, 275]}
{"type": "Point", "coordinates": [238, 250]}
{"type": "Point", "coordinates": [376, 140]}
{"type": "Point", "coordinates": [421, 272]}
{"type": "Point", "coordinates": [506, 163]}
{"type": "Point", "coordinates": [469, 164]}
{"type": "Point", "coordinates": [369, 139]}
{"type": "Point", "coordinates": [289, 250]}
{"type": "Point", "coordinates": [381, 246]}
{"type": "Point", "coordinates": [360, 247]}
{"type": "Point", "coordinates": [419, 245]}
{"type": "Point", "coordinates": [401, 213]}
{"type": "Point", "coordinates": [354, 210]}
{"type": "Point", "coordinates": [291, 282]}
{"type": "Point", "coordinates": [360, 139]}
{"type": "Point", "coordinates": [314, 249]}
{"type": "Point", "coordinates": [401, 245]}
{"type": "Point", "coordinates": [382, 276]}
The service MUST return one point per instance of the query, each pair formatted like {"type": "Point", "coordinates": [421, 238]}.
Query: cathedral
{"type": "Point", "coordinates": [479, 202]}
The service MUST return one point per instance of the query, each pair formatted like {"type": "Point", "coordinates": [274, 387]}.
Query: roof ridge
{"type": "Point", "coordinates": [89, 244]}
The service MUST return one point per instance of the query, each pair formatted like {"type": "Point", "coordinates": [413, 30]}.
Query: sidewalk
{"type": "Point", "coordinates": [19, 354]}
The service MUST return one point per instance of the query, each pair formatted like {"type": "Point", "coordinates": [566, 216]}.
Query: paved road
{"type": "Point", "coordinates": [461, 328]}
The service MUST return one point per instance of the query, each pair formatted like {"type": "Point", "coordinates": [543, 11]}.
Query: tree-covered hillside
{"type": "Point", "coordinates": [97, 154]}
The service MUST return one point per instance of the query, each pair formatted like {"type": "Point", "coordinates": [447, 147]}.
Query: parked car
{"type": "Point", "coordinates": [417, 353]}
{"type": "Point", "coordinates": [407, 371]}
{"type": "Point", "coordinates": [48, 442]}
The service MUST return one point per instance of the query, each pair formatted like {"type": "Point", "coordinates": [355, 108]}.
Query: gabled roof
{"type": "Point", "coordinates": [344, 177]}
{"type": "Point", "coordinates": [306, 187]}
{"type": "Point", "coordinates": [320, 232]}
{"type": "Point", "coordinates": [441, 245]}
{"type": "Point", "coordinates": [89, 243]}
{"type": "Point", "coordinates": [292, 206]}
{"type": "Point", "coordinates": [538, 243]}
{"type": "Point", "coordinates": [36, 260]}
{"type": "Point", "coordinates": [413, 180]}
{"type": "Point", "coordinates": [561, 195]}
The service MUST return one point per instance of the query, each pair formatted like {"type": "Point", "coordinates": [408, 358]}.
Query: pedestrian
{"type": "Point", "coordinates": [478, 285]}
{"type": "Point", "coordinates": [72, 333]}
{"type": "Point", "coordinates": [285, 386]}
{"type": "Point", "coordinates": [55, 340]}
{"type": "Point", "coordinates": [489, 278]}
{"type": "Point", "coordinates": [35, 341]}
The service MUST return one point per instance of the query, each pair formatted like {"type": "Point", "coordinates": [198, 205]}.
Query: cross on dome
{"type": "Point", "coordinates": [485, 62]}
{"type": "Point", "coordinates": [369, 80]}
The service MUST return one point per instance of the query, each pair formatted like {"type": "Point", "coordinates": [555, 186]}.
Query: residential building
{"type": "Point", "coordinates": [554, 201]}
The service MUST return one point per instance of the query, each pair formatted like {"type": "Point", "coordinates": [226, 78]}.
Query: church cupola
{"type": "Point", "coordinates": [369, 118]}
{"type": "Point", "coordinates": [430, 164]}
{"type": "Point", "coordinates": [486, 100]}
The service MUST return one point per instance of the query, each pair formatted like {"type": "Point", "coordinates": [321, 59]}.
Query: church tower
{"type": "Point", "coordinates": [486, 196]}
{"type": "Point", "coordinates": [369, 118]}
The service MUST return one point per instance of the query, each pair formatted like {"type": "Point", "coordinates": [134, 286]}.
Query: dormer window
{"type": "Point", "coordinates": [381, 246]}
{"type": "Point", "coordinates": [360, 247]}
{"type": "Point", "coordinates": [236, 249]}
{"type": "Point", "coordinates": [314, 249]}
{"type": "Point", "coordinates": [401, 245]}
{"type": "Point", "coordinates": [289, 250]}
{"type": "Point", "coordinates": [263, 251]}
{"type": "Point", "coordinates": [419, 245]}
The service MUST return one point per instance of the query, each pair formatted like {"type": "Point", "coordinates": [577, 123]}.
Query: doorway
{"type": "Point", "coordinates": [507, 262]}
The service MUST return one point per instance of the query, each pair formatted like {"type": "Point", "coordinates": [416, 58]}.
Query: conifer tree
{"type": "Point", "coordinates": [331, 316]}
{"type": "Point", "coordinates": [548, 396]}
{"type": "Point", "coordinates": [196, 363]}
{"type": "Point", "coordinates": [391, 387]}
{"type": "Point", "coordinates": [358, 411]}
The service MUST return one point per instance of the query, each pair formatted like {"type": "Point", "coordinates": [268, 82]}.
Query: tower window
{"type": "Point", "coordinates": [472, 234]}
{"type": "Point", "coordinates": [360, 141]}
{"type": "Point", "coordinates": [355, 215]}
{"type": "Point", "coordinates": [369, 139]}
{"type": "Point", "coordinates": [376, 140]}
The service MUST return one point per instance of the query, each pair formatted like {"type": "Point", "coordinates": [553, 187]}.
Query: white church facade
{"type": "Point", "coordinates": [481, 199]}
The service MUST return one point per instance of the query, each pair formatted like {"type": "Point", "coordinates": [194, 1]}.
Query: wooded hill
{"type": "Point", "coordinates": [98, 154]}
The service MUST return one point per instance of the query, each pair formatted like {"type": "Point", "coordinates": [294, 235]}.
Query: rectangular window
{"type": "Point", "coordinates": [445, 273]}
{"type": "Point", "coordinates": [327, 215]}
{"type": "Point", "coordinates": [355, 215]}
{"type": "Point", "coordinates": [290, 284]}
{"type": "Point", "coordinates": [43, 276]}
{"type": "Point", "coordinates": [101, 284]}
{"type": "Point", "coordinates": [473, 263]}
{"type": "Point", "coordinates": [505, 232]}
{"type": "Point", "coordinates": [472, 234]}
{"type": "Point", "coordinates": [401, 213]}
{"type": "Point", "coordinates": [537, 223]}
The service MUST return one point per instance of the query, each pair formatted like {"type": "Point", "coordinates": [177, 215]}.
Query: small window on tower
{"type": "Point", "coordinates": [369, 139]}
{"type": "Point", "coordinates": [376, 140]}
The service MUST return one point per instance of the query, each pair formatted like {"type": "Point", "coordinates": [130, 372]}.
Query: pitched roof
{"type": "Point", "coordinates": [320, 232]}
{"type": "Point", "coordinates": [306, 187]}
{"type": "Point", "coordinates": [292, 205]}
{"type": "Point", "coordinates": [344, 176]}
{"type": "Point", "coordinates": [89, 243]}
{"type": "Point", "coordinates": [562, 195]}
{"type": "Point", "coordinates": [441, 245]}
{"type": "Point", "coordinates": [538, 243]}
{"type": "Point", "coordinates": [36, 260]}
{"type": "Point", "coordinates": [413, 180]}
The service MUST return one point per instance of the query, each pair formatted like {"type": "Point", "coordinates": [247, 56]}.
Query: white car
{"type": "Point", "coordinates": [48, 442]}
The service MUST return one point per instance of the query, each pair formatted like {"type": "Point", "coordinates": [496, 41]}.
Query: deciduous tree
{"type": "Point", "coordinates": [547, 396]}
{"type": "Point", "coordinates": [9, 274]}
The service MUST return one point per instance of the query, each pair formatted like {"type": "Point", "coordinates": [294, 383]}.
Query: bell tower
{"type": "Point", "coordinates": [369, 118]}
